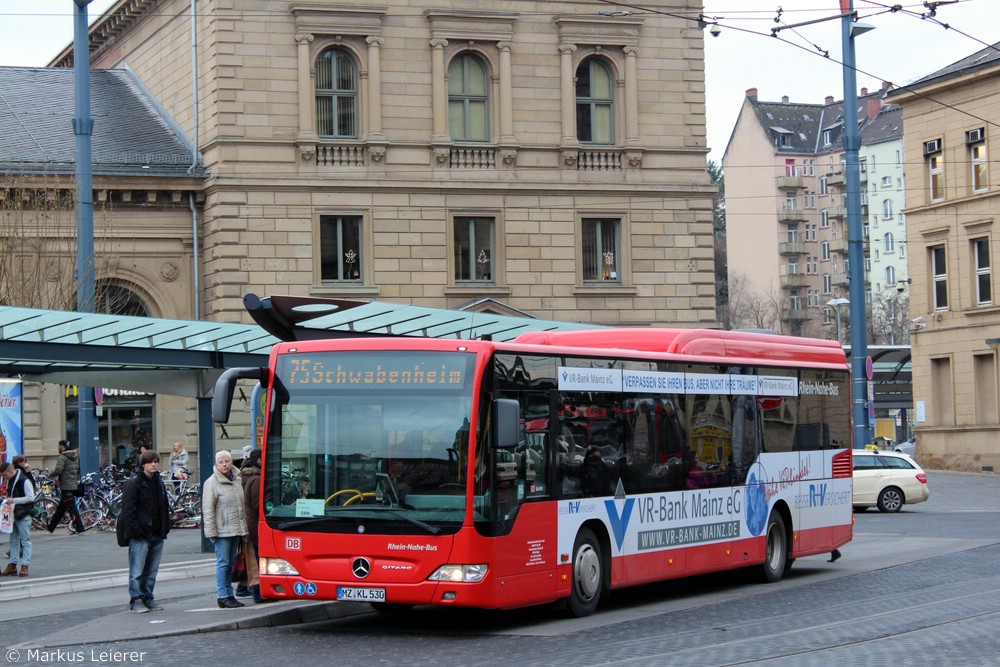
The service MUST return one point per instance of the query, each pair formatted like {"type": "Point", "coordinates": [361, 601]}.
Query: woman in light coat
{"type": "Point", "coordinates": [223, 511]}
{"type": "Point", "coordinates": [178, 461]}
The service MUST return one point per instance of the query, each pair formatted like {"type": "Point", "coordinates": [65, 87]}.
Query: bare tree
{"type": "Point", "coordinates": [751, 308]}
{"type": "Point", "coordinates": [38, 244]}
{"type": "Point", "coordinates": [888, 321]}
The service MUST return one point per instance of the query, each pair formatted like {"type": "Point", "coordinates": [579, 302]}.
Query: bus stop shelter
{"type": "Point", "coordinates": [892, 382]}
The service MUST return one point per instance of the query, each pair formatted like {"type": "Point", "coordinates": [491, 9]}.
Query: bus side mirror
{"type": "Point", "coordinates": [222, 399]}
{"type": "Point", "coordinates": [506, 422]}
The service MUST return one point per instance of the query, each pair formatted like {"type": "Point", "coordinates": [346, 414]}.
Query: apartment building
{"type": "Point", "coordinates": [951, 210]}
{"type": "Point", "coordinates": [533, 158]}
{"type": "Point", "coordinates": [786, 212]}
{"type": "Point", "coordinates": [883, 196]}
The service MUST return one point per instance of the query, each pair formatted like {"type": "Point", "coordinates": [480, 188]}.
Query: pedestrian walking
{"type": "Point", "coordinates": [223, 510]}
{"type": "Point", "coordinates": [144, 511]}
{"type": "Point", "coordinates": [67, 473]}
{"type": "Point", "coordinates": [20, 497]}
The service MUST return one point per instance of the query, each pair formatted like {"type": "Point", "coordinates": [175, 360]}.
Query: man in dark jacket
{"type": "Point", "coordinates": [67, 472]}
{"type": "Point", "coordinates": [145, 513]}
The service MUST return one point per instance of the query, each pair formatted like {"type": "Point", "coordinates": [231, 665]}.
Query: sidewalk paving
{"type": "Point", "coordinates": [62, 563]}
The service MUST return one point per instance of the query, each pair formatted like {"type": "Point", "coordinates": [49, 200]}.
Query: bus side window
{"type": "Point", "coordinates": [744, 438]}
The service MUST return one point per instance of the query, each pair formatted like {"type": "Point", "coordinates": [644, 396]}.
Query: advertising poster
{"type": "Point", "coordinates": [11, 442]}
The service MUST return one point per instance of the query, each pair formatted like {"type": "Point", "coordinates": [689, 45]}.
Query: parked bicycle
{"type": "Point", "coordinates": [184, 497]}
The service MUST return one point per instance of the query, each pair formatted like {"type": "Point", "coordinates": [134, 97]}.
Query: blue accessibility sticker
{"type": "Point", "coordinates": [310, 588]}
{"type": "Point", "coordinates": [299, 588]}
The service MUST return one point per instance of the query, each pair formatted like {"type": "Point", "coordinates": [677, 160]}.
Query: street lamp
{"type": "Point", "coordinates": [862, 415]}
{"type": "Point", "coordinates": [836, 304]}
{"type": "Point", "coordinates": [83, 129]}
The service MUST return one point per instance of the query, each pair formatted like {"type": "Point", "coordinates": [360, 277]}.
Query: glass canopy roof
{"type": "Point", "coordinates": [43, 342]}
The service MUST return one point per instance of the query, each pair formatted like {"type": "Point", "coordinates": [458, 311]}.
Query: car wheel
{"type": "Point", "coordinates": [588, 574]}
{"type": "Point", "coordinates": [890, 499]}
{"type": "Point", "coordinates": [776, 554]}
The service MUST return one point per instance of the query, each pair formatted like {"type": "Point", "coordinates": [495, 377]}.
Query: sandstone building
{"type": "Point", "coordinates": [951, 209]}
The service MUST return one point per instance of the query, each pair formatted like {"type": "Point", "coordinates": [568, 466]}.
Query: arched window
{"type": "Point", "coordinates": [594, 102]}
{"type": "Point", "coordinates": [113, 298]}
{"type": "Point", "coordinates": [467, 99]}
{"type": "Point", "coordinates": [887, 209]}
{"type": "Point", "coordinates": [336, 95]}
{"type": "Point", "coordinates": [890, 276]}
{"type": "Point", "coordinates": [888, 242]}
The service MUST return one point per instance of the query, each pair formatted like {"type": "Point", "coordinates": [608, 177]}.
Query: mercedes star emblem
{"type": "Point", "coordinates": [361, 568]}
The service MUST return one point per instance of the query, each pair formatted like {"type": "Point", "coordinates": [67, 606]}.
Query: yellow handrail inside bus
{"type": "Point", "coordinates": [358, 495]}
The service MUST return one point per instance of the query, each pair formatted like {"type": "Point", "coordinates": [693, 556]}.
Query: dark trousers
{"type": "Point", "coordinates": [67, 503]}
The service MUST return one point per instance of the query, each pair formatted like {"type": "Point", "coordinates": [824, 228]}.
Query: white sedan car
{"type": "Point", "coordinates": [887, 480]}
{"type": "Point", "coordinates": [908, 447]}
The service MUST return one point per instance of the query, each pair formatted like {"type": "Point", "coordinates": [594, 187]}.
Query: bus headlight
{"type": "Point", "coordinates": [278, 567]}
{"type": "Point", "coordinates": [469, 574]}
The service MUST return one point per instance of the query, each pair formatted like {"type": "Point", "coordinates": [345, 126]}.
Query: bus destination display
{"type": "Point", "coordinates": [369, 370]}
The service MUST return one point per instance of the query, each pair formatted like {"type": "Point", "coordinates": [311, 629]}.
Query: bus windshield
{"type": "Point", "coordinates": [371, 440]}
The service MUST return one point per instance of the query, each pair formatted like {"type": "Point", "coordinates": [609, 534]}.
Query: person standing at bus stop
{"type": "Point", "coordinates": [146, 524]}
{"type": "Point", "coordinates": [67, 473]}
{"type": "Point", "coordinates": [250, 476]}
{"type": "Point", "coordinates": [223, 511]}
{"type": "Point", "coordinates": [20, 496]}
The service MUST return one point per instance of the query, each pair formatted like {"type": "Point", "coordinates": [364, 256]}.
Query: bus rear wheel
{"type": "Point", "coordinates": [588, 574]}
{"type": "Point", "coordinates": [776, 554]}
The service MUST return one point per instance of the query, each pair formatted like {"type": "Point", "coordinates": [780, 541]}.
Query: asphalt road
{"type": "Point", "coordinates": [921, 587]}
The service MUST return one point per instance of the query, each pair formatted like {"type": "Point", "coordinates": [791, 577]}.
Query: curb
{"type": "Point", "coordinates": [127, 629]}
{"type": "Point", "coordinates": [47, 586]}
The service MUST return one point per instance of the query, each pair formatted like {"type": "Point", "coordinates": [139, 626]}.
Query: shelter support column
{"type": "Point", "coordinates": [206, 454]}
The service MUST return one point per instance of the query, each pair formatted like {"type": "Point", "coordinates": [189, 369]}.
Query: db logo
{"type": "Point", "coordinates": [293, 543]}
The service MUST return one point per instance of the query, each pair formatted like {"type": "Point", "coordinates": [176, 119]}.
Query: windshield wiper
{"type": "Point", "coordinates": [295, 523]}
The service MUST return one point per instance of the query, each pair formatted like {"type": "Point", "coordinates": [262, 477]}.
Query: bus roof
{"type": "Point", "coordinates": [697, 343]}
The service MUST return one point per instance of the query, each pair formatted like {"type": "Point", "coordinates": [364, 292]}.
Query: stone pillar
{"type": "Point", "coordinates": [631, 97]}
{"type": "Point", "coordinates": [439, 91]}
{"type": "Point", "coordinates": [307, 102]}
{"type": "Point", "coordinates": [506, 94]}
{"type": "Point", "coordinates": [568, 94]}
{"type": "Point", "coordinates": [374, 88]}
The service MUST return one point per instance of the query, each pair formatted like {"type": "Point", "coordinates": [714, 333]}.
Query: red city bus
{"type": "Point", "coordinates": [410, 471]}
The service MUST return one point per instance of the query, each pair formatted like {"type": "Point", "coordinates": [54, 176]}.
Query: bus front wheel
{"type": "Point", "coordinates": [588, 574]}
{"type": "Point", "coordinates": [776, 555]}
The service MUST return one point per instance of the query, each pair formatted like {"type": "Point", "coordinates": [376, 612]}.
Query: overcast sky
{"type": "Point", "coordinates": [903, 47]}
